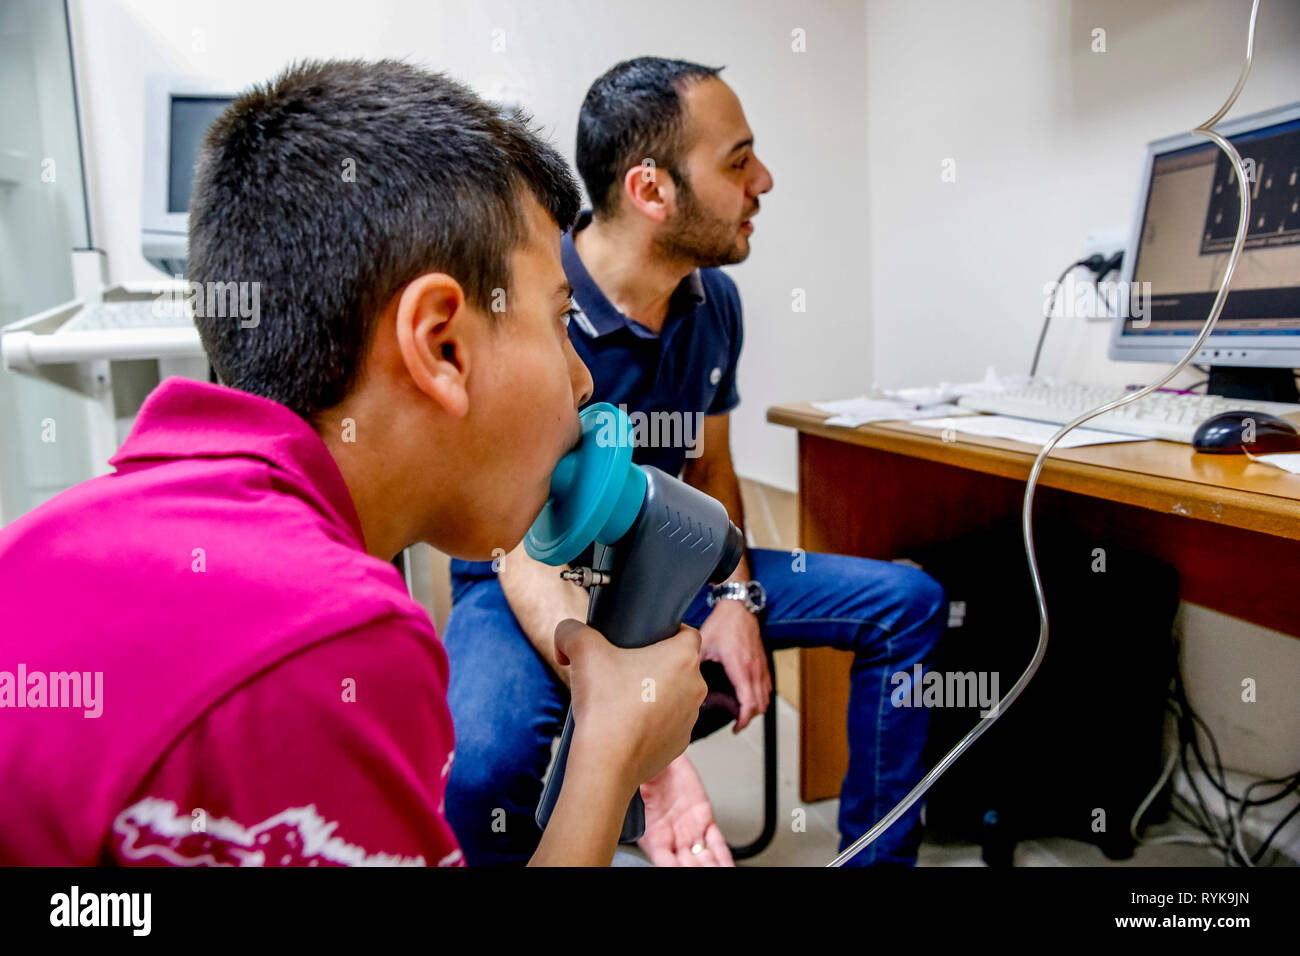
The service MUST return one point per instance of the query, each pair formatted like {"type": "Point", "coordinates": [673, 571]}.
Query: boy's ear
{"type": "Point", "coordinates": [650, 189]}
{"type": "Point", "coordinates": [433, 331]}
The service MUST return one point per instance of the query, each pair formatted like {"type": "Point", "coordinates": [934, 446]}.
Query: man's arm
{"type": "Point", "coordinates": [540, 600]}
{"type": "Point", "coordinates": [730, 634]}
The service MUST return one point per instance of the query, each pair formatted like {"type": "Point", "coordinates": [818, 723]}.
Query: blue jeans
{"type": "Point", "coordinates": [508, 705]}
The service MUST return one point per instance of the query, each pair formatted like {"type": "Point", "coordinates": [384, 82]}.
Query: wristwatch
{"type": "Point", "coordinates": [749, 593]}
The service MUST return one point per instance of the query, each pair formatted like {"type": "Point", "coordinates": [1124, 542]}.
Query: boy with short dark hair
{"type": "Point", "coordinates": [266, 690]}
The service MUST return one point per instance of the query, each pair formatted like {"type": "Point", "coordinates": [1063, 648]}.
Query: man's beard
{"type": "Point", "coordinates": [698, 237]}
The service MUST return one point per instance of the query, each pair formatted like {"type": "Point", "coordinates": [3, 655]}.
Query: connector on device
{"type": "Point", "coordinates": [585, 577]}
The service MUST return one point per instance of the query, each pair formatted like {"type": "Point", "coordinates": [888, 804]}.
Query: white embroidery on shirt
{"type": "Point", "coordinates": [153, 827]}
{"type": "Point", "coordinates": [442, 802]}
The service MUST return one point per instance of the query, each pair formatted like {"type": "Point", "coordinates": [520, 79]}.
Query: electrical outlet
{"type": "Point", "coordinates": [1104, 242]}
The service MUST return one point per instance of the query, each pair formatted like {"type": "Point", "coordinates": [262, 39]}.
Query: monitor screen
{"type": "Point", "coordinates": [1188, 227]}
{"type": "Point", "coordinates": [190, 118]}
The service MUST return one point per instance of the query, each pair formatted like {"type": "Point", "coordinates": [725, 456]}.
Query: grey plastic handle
{"type": "Point", "coordinates": [681, 540]}
{"type": "Point", "coordinates": [633, 822]}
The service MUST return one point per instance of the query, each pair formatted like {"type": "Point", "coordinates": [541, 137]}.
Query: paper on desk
{"type": "Point", "coordinates": [1287, 461]}
{"type": "Point", "coordinates": [1019, 429]}
{"type": "Point", "coordinates": [949, 392]}
{"type": "Point", "coordinates": [852, 412]}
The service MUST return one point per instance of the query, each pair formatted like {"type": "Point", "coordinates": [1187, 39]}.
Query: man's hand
{"type": "Point", "coordinates": [730, 636]}
{"type": "Point", "coordinates": [678, 817]}
{"type": "Point", "coordinates": [730, 633]}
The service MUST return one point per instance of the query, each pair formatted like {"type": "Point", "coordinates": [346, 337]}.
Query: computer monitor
{"type": "Point", "coordinates": [178, 111]}
{"type": "Point", "coordinates": [1186, 221]}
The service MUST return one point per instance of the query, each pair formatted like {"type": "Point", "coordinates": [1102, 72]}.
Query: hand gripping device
{"type": "Point", "coordinates": [657, 542]}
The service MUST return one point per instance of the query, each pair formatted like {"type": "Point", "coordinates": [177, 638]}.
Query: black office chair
{"type": "Point", "coordinates": [719, 709]}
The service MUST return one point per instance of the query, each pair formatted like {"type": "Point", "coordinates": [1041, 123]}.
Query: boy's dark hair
{"type": "Point", "coordinates": [334, 185]}
{"type": "Point", "coordinates": [633, 113]}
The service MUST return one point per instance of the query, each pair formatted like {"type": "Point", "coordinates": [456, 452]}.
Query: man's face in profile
{"type": "Point", "coordinates": [719, 183]}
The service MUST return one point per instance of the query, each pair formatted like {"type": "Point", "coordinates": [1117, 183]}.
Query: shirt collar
{"type": "Point", "coordinates": [596, 314]}
{"type": "Point", "coordinates": [183, 418]}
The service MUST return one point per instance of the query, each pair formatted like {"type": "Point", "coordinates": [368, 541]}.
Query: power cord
{"type": "Point", "coordinates": [1190, 727]}
{"type": "Point", "coordinates": [1027, 514]}
{"type": "Point", "coordinates": [1101, 267]}
{"type": "Point", "coordinates": [1224, 834]}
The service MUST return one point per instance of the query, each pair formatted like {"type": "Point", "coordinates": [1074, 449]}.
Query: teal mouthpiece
{"type": "Point", "coordinates": [596, 490]}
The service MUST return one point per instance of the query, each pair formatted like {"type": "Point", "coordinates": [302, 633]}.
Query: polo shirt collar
{"type": "Point", "coordinates": [183, 418]}
{"type": "Point", "coordinates": [597, 315]}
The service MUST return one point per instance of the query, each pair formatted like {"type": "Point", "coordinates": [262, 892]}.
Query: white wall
{"type": "Point", "coordinates": [808, 111]}
{"type": "Point", "coordinates": [1048, 139]}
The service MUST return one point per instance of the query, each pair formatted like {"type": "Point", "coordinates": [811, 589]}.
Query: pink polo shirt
{"type": "Point", "coordinates": [200, 664]}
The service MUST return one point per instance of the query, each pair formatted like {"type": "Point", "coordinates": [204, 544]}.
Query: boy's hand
{"type": "Point", "coordinates": [633, 709]}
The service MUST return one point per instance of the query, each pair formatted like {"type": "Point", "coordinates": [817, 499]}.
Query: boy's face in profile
{"type": "Point", "coordinates": [524, 393]}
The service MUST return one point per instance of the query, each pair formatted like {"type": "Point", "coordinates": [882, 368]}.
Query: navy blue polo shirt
{"type": "Point", "coordinates": [687, 368]}
{"type": "Point", "coordinates": [668, 381]}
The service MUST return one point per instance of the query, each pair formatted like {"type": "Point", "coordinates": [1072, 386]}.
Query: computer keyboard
{"type": "Point", "coordinates": [160, 313]}
{"type": "Point", "coordinates": [1172, 416]}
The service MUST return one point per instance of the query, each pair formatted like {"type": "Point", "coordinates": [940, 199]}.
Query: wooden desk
{"type": "Point", "coordinates": [1229, 525]}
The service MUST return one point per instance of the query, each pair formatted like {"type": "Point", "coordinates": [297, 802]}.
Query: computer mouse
{"type": "Point", "coordinates": [1224, 433]}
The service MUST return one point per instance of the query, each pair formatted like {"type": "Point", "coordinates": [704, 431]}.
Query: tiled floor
{"type": "Point", "coordinates": [731, 766]}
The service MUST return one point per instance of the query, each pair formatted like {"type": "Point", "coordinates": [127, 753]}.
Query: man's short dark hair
{"type": "Point", "coordinates": [333, 186]}
{"type": "Point", "coordinates": [633, 113]}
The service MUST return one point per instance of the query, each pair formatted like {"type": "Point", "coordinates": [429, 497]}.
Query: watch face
{"type": "Point", "coordinates": [750, 594]}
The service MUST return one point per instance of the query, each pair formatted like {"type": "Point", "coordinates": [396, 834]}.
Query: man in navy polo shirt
{"type": "Point", "coordinates": [668, 161]}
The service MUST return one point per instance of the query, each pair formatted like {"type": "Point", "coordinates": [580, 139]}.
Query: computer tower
{"type": "Point", "coordinates": [1081, 747]}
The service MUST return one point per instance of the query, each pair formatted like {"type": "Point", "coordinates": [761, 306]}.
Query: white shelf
{"type": "Point", "coordinates": [37, 341]}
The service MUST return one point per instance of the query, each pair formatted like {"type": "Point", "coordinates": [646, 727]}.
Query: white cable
{"type": "Point", "coordinates": [1238, 827]}
{"type": "Point", "coordinates": [1193, 838]}
{"type": "Point", "coordinates": [1027, 515]}
{"type": "Point", "coordinates": [1241, 813]}
{"type": "Point", "coordinates": [1151, 795]}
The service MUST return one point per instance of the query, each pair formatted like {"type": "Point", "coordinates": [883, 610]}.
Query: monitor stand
{"type": "Point", "coordinates": [1262, 384]}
